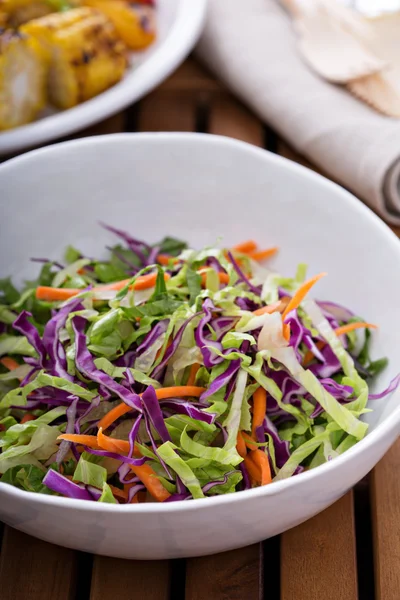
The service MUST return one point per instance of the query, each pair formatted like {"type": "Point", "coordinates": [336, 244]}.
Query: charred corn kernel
{"type": "Point", "coordinates": [136, 27]}
{"type": "Point", "coordinates": [23, 69]}
{"type": "Point", "coordinates": [87, 56]}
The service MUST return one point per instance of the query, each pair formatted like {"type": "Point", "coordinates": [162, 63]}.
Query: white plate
{"type": "Point", "coordinates": [200, 187]}
{"type": "Point", "coordinates": [179, 23]}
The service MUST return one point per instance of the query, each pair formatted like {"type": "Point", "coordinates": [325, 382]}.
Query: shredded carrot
{"type": "Point", "coordinates": [223, 277]}
{"type": "Point", "coordinates": [253, 470]}
{"type": "Point", "coordinates": [193, 372]}
{"type": "Point", "coordinates": [263, 254]}
{"type": "Point", "coordinates": [261, 460]}
{"type": "Point", "coordinates": [162, 393]}
{"type": "Point", "coordinates": [301, 294]}
{"type": "Point", "coordinates": [249, 441]}
{"type": "Point", "coordinates": [9, 363]}
{"type": "Point", "coordinates": [245, 247]}
{"type": "Point", "coordinates": [150, 480]}
{"type": "Point", "coordinates": [271, 308]}
{"type": "Point", "coordinates": [353, 326]}
{"type": "Point", "coordinates": [27, 417]}
{"type": "Point", "coordinates": [118, 493]}
{"type": "Point", "coordinates": [86, 440]}
{"type": "Point", "coordinates": [241, 445]}
{"type": "Point", "coordinates": [343, 330]}
{"type": "Point", "coordinates": [165, 259]}
{"type": "Point", "coordinates": [259, 409]}
{"type": "Point", "coordinates": [286, 331]}
{"type": "Point", "coordinates": [51, 294]}
{"type": "Point", "coordinates": [111, 444]}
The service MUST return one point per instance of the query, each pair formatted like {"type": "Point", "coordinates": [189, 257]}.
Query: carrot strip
{"type": "Point", "coordinates": [149, 479]}
{"type": "Point", "coordinates": [352, 326]}
{"type": "Point", "coordinates": [111, 444]}
{"type": "Point", "coordinates": [253, 470]}
{"type": "Point", "coordinates": [301, 293]}
{"type": "Point", "coordinates": [51, 294]}
{"type": "Point", "coordinates": [86, 440]}
{"type": "Point", "coordinates": [245, 247]}
{"type": "Point", "coordinates": [122, 494]}
{"type": "Point", "coordinates": [260, 459]}
{"type": "Point", "coordinates": [271, 308]}
{"type": "Point", "coordinates": [286, 331]}
{"type": "Point", "coordinates": [193, 372]}
{"type": "Point", "coordinates": [241, 445]}
{"type": "Point", "coordinates": [162, 394]}
{"type": "Point", "coordinates": [249, 441]}
{"type": "Point", "coordinates": [9, 363]}
{"type": "Point", "coordinates": [259, 409]}
{"type": "Point", "coordinates": [263, 254]}
{"type": "Point", "coordinates": [165, 259]}
{"type": "Point", "coordinates": [27, 417]}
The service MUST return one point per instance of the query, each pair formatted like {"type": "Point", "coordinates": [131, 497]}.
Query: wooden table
{"type": "Point", "coordinates": [350, 551]}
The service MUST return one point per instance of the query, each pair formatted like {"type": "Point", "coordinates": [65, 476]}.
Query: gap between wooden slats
{"type": "Point", "coordinates": [318, 558]}
{"type": "Point", "coordinates": [35, 570]}
{"type": "Point", "coordinates": [130, 579]}
{"type": "Point", "coordinates": [167, 111]}
{"type": "Point", "coordinates": [230, 118]}
{"type": "Point", "coordinates": [385, 487]}
{"type": "Point", "coordinates": [235, 575]}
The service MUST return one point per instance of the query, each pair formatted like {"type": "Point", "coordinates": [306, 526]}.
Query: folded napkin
{"type": "Point", "coordinates": [251, 46]}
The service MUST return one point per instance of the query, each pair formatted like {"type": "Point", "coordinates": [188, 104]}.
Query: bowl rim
{"type": "Point", "coordinates": [182, 36]}
{"type": "Point", "coordinates": [390, 423]}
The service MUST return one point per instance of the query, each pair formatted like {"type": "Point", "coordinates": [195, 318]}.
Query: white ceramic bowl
{"type": "Point", "coordinates": [179, 25]}
{"type": "Point", "coordinates": [200, 187]}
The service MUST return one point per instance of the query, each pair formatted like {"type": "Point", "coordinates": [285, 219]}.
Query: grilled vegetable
{"type": "Point", "coordinates": [136, 27]}
{"type": "Point", "coordinates": [87, 56]}
{"type": "Point", "coordinates": [23, 67]}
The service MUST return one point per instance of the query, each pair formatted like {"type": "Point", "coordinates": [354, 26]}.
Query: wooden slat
{"type": "Point", "coordinates": [229, 117]}
{"type": "Point", "coordinates": [114, 124]}
{"type": "Point", "coordinates": [170, 111]}
{"type": "Point", "coordinates": [129, 579]}
{"type": "Point", "coordinates": [35, 570]}
{"type": "Point", "coordinates": [318, 558]}
{"type": "Point", "coordinates": [235, 575]}
{"type": "Point", "coordinates": [385, 484]}
{"type": "Point", "coordinates": [190, 76]}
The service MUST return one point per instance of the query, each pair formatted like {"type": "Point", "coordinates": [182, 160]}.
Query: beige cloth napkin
{"type": "Point", "coordinates": [251, 46]}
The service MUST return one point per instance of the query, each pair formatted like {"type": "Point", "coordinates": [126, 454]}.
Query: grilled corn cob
{"type": "Point", "coordinates": [135, 26]}
{"type": "Point", "coordinates": [87, 56]}
{"type": "Point", "coordinates": [23, 67]}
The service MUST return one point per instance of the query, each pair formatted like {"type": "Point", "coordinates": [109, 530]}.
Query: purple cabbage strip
{"type": "Point", "coordinates": [203, 342]}
{"type": "Point", "coordinates": [94, 404]}
{"type": "Point", "coordinates": [137, 246]}
{"type": "Point", "coordinates": [223, 379]}
{"type": "Point", "coordinates": [65, 445]}
{"type": "Point", "coordinates": [133, 434]}
{"type": "Point", "coordinates": [187, 408]}
{"type": "Point", "coordinates": [123, 471]}
{"type": "Point", "coordinates": [133, 491]}
{"type": "Point", "coordinates": [132, 268]}
{"type": "Point", "coordinates": [281, 447]}
{"type": "Point", "coordinates": [152, 336]}
{"type": "Point", "coordinates": [126, 360]}
{"type": "Point", "coordinates": [45, 261]}
{"type": "Point", "coordinates": [129, 377]}
{"type": "Point", "coordinates": [311, 345]}
{"type": "Point", "coordinates": [329, 367]}
{"type": "Point", "coordinates": [152, 259]}
{"type": "Point", "coordinates": [208, 486]}
{"type": "Point", "coordinates": [27, 377]}
{"type": "Point", "coordinates": [84, 362]}
{"type": "Point", "coordinates": [51, 342]}
{"type": "Point", "coordinates": [60, 484]}
{"type": "Point", "coordinates": [172, 348]}
{"type": "Point", "coordinates": [22, 325]}
{"type": "Point", "coordinates": [246, 479]}
{"type": "Point", "coordinates": [221, 326]}
{"type": "Point", "coordinates": [178, 497]}
{"type": "Point", "coordinates": [242, 276]}
{"type": "Point", "coordinates": [136, 462]}
{"type": "Point", "coordinates": [340, 313]}
{"type": "Point", "coordinates": [246, 304]}
{"type": "Point", "coordinates": [394, 384]}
